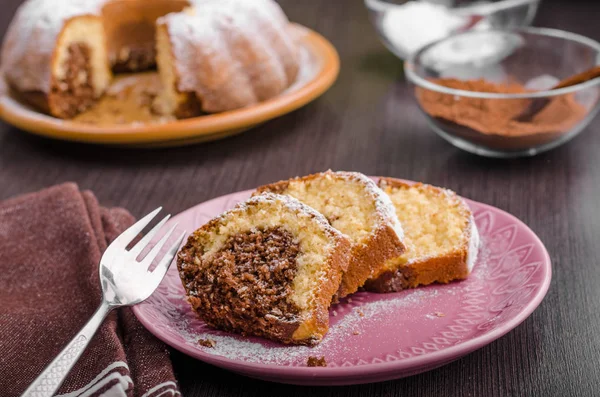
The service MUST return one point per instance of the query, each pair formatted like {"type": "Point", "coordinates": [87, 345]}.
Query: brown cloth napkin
{"type": "Point", "coordinates": [50, 246]}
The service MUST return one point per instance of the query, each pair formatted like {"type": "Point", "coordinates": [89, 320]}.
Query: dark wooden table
{"type": "Point", "coordinates": [369, 123]}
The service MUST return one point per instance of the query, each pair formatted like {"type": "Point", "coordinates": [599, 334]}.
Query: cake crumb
{"type": "Point", "coordinates": [334, 313]}
{"type": "Point", "coordinates": [439, 314]}
{"type": "Point", "coordinates": [360, 312]}
{"type": "Point", "coordinates": [349, 300]}
{"type": "Point", "coordinates": [356, 333]}
{"type": "Point", "coordinates": [316, 361]}
{"type": "Point", "coordinates": [207, 343]}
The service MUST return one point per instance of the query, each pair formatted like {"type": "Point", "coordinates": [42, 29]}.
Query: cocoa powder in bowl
{"type": "Point", "coordinates": [490, 122]}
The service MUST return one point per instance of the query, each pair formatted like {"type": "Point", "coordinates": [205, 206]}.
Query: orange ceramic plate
{"type": "Point", "coordinates": [318, 76]}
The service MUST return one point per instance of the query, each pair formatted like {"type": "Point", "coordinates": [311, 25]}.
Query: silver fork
{"type": "Point", "coordinates": [125, 282]}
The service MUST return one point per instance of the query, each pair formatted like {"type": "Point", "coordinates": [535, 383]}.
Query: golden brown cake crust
{"type": "Point", "coordinates": [309, 331]}
{"type": "Point", "coordinates": [383, 244]}
{"type": "Point", "coordinates": [331, 284]}
{"type": "Point", "coordinates": [367, 259]}
{"type": "Point", "coordinates": [442, 269]}
{"type": "Point", "coordinates": [189, 104]}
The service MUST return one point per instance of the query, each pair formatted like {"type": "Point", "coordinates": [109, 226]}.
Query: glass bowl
{"type": "Point", "coordinates": [404, 26]}
{"type": "Point", "coordinates": [487, 91]}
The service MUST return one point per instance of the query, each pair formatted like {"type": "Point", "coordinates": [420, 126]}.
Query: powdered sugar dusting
{"type": "Point", "coordinates": [233, 53]}
{"type": "Point", "coordinates": [309, 67]}
{"type": "Point", "coordinates": [287, 201]}
{"type": "Point", "coordinates": [352, 323]}
{"type": "Point", "coordinates": [474, 242]}
{"type": "Point", "coordinates": [351, 320]}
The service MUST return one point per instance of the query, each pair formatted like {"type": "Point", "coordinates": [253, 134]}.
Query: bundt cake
{"type": "Point", "coordinates": [268, 267]}
{"type": "Point", "coordinates": [251, 57]}
{"type": "Point", "coordinates": [217, 55]}
{"type": "Point", "coordinates": [441, 238]}
{"type": "Point", "coordinates": [353, 204]}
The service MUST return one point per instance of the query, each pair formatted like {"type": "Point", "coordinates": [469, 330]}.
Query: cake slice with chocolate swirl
{"type": "Point", "coordinates": [268, 267]}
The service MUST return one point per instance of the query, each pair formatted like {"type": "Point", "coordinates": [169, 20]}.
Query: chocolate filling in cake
{"type": "Point", "coordinates": [246, 284]}
{"type": "Point", "coordinates": [135, 59]}
{"type": "Point", "coordinates": [75, 92]}
{"type": "Point", "coordinates": [393, 280]}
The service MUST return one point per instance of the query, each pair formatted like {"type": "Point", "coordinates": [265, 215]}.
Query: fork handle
{"type": "Point", "coordinates": [55, 373]}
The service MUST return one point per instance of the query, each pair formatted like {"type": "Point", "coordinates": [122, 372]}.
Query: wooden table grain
{"type": "Point", "coordinates": [368, 122]}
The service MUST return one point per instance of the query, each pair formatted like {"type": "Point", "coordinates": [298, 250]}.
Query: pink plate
{"type": "Point", "coordinates": [375, 337]}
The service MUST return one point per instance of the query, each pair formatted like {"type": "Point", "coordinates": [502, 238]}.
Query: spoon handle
{"type": "Point", "coordinates": [589, 74]}
{"type": "Point", "coordinates": [538, 104]}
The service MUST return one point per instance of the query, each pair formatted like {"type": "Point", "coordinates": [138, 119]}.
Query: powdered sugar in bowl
{"type": "Point", "coordinates": [405, 26]}
{"type": "Point", "coordinates": [489, 92]}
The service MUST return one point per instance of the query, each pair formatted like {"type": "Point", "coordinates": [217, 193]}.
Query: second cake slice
{"type": "Point", "coordinates": [354, 205]}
